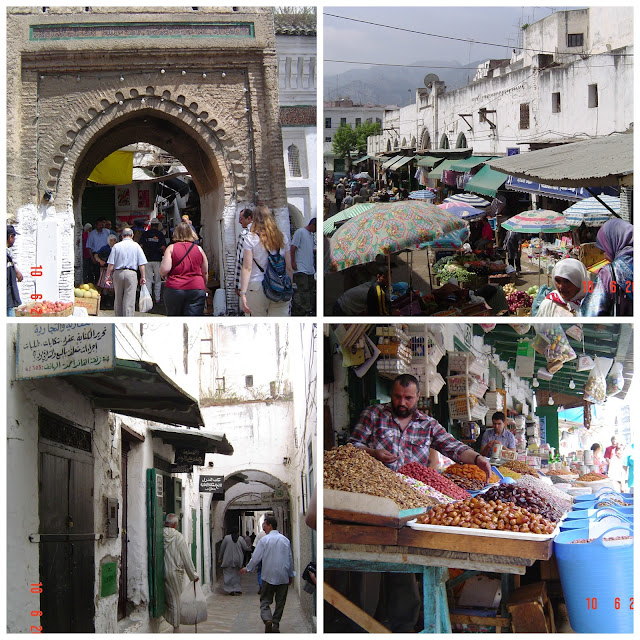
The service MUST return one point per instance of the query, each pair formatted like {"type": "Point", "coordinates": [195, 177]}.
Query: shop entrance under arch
{"type": "Point", "coordinates": [174, 136]}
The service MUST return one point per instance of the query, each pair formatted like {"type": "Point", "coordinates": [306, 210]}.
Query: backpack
{"type": "Point", "coordinates": [276, 283]}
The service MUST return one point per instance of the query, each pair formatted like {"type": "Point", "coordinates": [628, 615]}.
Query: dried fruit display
{"type": "Point", "coordinates": [478, 513]}
{"type": "Point", "coordinates": [555, 497]}
{"type": "Point", "coordinates": [592, 477]}
{"type": "Point", "coordinates": [525, 498]}
{"type": "Point", "coordinates": [349, 468]}
{"type": "Point", "coordinates": [519, 467]}
{"type": "Point", "coordinates": [510, 473]}
{"type": "Point", "coordinates": [433, 479]}
{"type": "Point", "coordinates": [469, 471]}
{"type": "Point", "coordinates": [470, 484]}
{"type": "Point", "coordinates": [426, 490]}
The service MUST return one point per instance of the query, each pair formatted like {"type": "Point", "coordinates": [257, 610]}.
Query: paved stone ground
{"type": "Point", "coordinates": [241, 614]}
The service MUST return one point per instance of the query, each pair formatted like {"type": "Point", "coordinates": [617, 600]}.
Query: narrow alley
{"type": "Point", "coordinates": [241, 614]}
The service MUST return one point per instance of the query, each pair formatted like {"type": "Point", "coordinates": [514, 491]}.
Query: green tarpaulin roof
{"type": "Point", "coordinates": [486, 182]}
{"type": "Point", "coordinates": [428, 161]}
{"type": "Point", "coordinates": [443, 166]}
{"type": "Point", "coordinates": [400, 162]}
{"type": "Point", "coordinates": [390, 161]}
{"type": "Point", "coordinates": [469, 163]}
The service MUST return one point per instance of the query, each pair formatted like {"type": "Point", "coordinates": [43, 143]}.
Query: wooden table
{"type": "Point", "coordinates": [365, 548]}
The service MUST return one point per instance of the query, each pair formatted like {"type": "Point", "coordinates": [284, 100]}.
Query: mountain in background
{"type": "Point", "coordinates": [391, 85]}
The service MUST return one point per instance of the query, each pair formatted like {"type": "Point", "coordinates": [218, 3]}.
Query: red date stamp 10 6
{"type": "Point", "coordinates": [592, 604]}
{"type": "Point", "coordinates": [36, 587]}
{"type": "Point", "coordinates": [614, 287]}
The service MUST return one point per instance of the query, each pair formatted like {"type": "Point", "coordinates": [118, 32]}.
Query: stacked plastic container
{"type": "Point", "coordinates": [466, 387]}
{"type": "Point", "coordinates": [597, 575]}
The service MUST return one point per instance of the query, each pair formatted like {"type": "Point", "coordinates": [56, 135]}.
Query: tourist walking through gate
{"type": "Point", "coordinates": [303, 262]}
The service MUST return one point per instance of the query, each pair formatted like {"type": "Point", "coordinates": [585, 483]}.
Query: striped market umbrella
{"type": "Point", "coordinates": [329, 225]}
{"type": "Point", "coordinates": [468, 200]}
{"type": "Point", "coordinates": [422, 194]}
{"type": "Point", "coordinates": [538, 221]}
{"type": "Point", "coordinates": [389, 227]}
{"type": "Point", "coordinates": [466, 213]}
{"type": "Point", "coordinates": [591, 212]}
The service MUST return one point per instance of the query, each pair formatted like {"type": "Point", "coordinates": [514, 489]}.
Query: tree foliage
{"type": "Point", "coordinates": [347, 140]}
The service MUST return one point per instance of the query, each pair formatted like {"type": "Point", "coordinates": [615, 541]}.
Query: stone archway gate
{"type": "Point", "coordinates": [199, 82]}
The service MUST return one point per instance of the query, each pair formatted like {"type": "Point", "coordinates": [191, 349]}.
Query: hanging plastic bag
{"type": "Point", "coordinates": [193, 605]}
{"type": "Point", "coordinates": [595, 391]}
{"type": "Point", "coordinates": [575, 332]}
{"type": "Point", "coordinates": [488, 327]}
{"type": "Point", "coordinates": [552, 343]}
{"type": "Point", "coordinates": [521, 328]}
{"type": "Point", "coordinates": [615, 380]}
{"type": "Point", "coordinates": [585, 363]}
{"type": "Point", "coordinates": [145, 303]}
{"type": "Point", "coordinates": [525, 359]}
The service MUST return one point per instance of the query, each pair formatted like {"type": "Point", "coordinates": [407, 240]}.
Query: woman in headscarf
{"type": "Point", "coordinates": [571, 280]}
{"type": "Point", "coordinates": [231, 558]}
{"type": "Point", "coordinates": [613, 289]}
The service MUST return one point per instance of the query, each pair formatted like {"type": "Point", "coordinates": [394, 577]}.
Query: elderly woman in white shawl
{"type": "Point", "coordinates": [571, 279]}
{"type": "Point", "coordinates": [231, 558]}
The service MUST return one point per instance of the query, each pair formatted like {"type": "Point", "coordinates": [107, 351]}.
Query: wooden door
{"type": "Point", "coordinates": [122, 587]}
{"type": "Point", "coordinates": [155, 539]}
{"type": "Point", "coordinates": [67, 543]}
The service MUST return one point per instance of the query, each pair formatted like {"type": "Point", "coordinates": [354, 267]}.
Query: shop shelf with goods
{"type": "Point", "coordinates": [426, 354]}
{"type": "Point", "coordinates": [395, 351]}
{"type": "Point", "coordinates": [465, 362]}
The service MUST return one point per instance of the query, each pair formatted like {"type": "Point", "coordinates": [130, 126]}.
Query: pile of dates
{"type": "Point", "coordinates": [525, 498]}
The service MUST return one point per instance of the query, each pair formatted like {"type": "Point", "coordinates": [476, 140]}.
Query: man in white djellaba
{"type": "Point", "coordinates": [177, 561]}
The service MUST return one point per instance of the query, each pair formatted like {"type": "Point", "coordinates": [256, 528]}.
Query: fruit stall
{"type": "Point", "coordinates": [504, 553]}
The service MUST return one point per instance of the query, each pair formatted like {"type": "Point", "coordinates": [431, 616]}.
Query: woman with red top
{"type": "Point", "coordinates": [186, 267]}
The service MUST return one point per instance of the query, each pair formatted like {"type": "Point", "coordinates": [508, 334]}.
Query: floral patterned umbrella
{"type": "Point", "coordinates": [389, 227]}
{"type": "Point", "coordinates": [538, 221]}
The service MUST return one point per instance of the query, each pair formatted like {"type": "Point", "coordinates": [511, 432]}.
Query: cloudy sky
{"type": "Point", "coordinates": [352, 41]}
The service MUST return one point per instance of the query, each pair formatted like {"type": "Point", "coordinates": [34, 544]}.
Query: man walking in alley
{"type": "Point", "coordinates": [303, 261]}
{"type": "Point", "coordinates": [274, 551]}
{"type": "Point", "coordinates": [153, 245]}
{"type": "Point", "coordinates": [177, 561]}
{"type": "Point", "coordinates": [245, 219]}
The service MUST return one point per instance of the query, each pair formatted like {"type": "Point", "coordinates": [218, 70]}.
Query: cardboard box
{"type": "Point", "coordinates": [92, 305]}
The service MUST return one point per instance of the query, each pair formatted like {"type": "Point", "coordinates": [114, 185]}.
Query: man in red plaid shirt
{"type": "Point", "coordinates": [398, 433]}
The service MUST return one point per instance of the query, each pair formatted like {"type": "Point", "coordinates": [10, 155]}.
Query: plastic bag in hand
{"type": "Point", "coordinates": [145, 303]}
{"type": "Point", "coordinates": [193, 606]}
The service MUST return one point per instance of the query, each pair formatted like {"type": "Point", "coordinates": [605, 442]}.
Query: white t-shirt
{"type": "Point", "coordinates": [303, 241]}
{"type": "Point", "coordinates": [252, 242]}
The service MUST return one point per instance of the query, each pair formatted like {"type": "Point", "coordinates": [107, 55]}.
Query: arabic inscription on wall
{"type": "Point", "coordinates": [63, 349]}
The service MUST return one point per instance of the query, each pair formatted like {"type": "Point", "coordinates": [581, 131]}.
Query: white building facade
{"type": "Point", "coordinates": [296, 48]}
{"type": "Point", "coordinates": [97, 481]}
{"type": "Point", "coordinates": [339, 112]}
{"type": "Point", "coordinates": [572, 80]}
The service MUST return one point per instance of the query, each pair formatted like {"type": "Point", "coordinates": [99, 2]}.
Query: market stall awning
{"type": "Point", "coordinates": [466, 164]}
{"type": "Point", "coordinates": [436, 173]}
{"type": "Point", "coordinates": [187, 438]}
{"type": "Point", "coordinates": [400, 163]}
{"type": "Point", "coordinates": [362, 159]}
{"type": "Point", "coordinates": [573, 194]}
{"type": "Point", "coordinates": [140, 390]}
{"type": "Point", "coordinates": [387, 163]}
{"type": "Point", "coordinates": [609, 341]}
{"type": "Point", "coordinates": [591, 163]}
{"type": "Point", "coordinates": [486, 182]}
{"type": "Point", "coordinates": [428, 161]}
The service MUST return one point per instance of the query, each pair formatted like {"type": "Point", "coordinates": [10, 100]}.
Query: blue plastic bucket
{"type": "Point", "coordinates": [592, 504]}
{"type": "Point", "coordinates": [601, 493]}
{"type": "Point", "coordinates": [568, 525]}
{"type": "Point", "coordinates": [578, 514]}
{"type": "Point", "coordinates": [597, 581]}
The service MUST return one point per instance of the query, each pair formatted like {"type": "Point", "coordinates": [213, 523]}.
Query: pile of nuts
{"type": "Point", "coordinates": [469, 471]}
{"type": "Point", "coordinates": [433, 479]}
{"type": "Point", "coordinates": [349, 468]}
{"type": "Point", "coordinates": [470, 484]}
{"type": "Point", "coordinates": [525, 498]}
{"type": "Point", "coordinates": [559, 472]}
{"type": "Point", "coordinates": [583, 541]}
{"type": "Point", "coordinates": [479, 513]}
{"type": "Point", "coordinates": [592, 477]}
{"type": "Point", "coordinates": [520, 467]}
